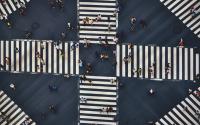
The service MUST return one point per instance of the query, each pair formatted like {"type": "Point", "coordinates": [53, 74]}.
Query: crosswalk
{"type": "Point", "coordinates": [39, 56]}
{"type": "Point", "coordinates": [183, 10]}
{"type": "Point", "coordinates": [9, 6]}
{"type": "Point", "coordinates": [157, 62]}
{"type": "Point", "coordinates": [10, 113]}
{"type": "Point", "coordinates": [103, 30]}
{"type": "Point", "coordinates": [97, 93]}
{"type": "Point", "coordinates": [185, 113]}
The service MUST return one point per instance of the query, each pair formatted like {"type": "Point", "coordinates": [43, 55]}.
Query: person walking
{"type": "Point", "coordinates": [12, 86]}
{"type": "Point", "coordinates": [80, 63]}
{"type": "Point", "coordinates": [52, 108]}
{"type": "Point", "coordinates": [181, 43]}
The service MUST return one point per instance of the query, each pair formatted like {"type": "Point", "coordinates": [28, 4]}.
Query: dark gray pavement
{"type": "Point", "coordinates": [34, 97]}
{"type": "Point", "coordinates": [136, 106]}
{"type": "Point", "coordinates": [163, 28]}
{"type": "Point", "coordinates": [50, 22]}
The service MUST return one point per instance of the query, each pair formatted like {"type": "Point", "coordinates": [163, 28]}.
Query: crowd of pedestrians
{"type": "Point", "coordinates": [21, 10]}
{"type": "Point", "coordinates": [56, 4]}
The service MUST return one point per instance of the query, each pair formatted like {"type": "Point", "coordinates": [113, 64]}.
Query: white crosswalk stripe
{"type": "Point", "coordinates": [183, 113]}
{"type": "Point", "coordinates": [97, 31]}
{"type": "Point", "coordinates": [188, 11]}
{"type": "Point", "coordinates": [155, 62]}
{"type": "Point", "coordinates": [97, 94]}
{"type": "Point", "coordinates": [13, 115]}
{"type": "Point", "coordinates": [39, 56]}
{"type": "Point", "coordinates": [10, 6]}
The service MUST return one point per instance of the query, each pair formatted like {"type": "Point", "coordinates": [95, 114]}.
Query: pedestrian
{"type": "Point", "coordinates": [102, 110]}
{"type": "Point", "coordinates": [37, 55]}
{"type": "Point", "coordinates": [60, 4]}
{"type": "Point", "coordinates": [43, 115]}
{"type": "Point", "coordinates": [198, 76]}
{"type": "Point", "coordinates": [151, 70]}
{"type": "Point", "coordinates": [22, 11]}
{"type": "Point", "coordinates": [27, 121]}
{"type": "Point", "coordinates": [134, 71]}
{"type": "Point", "coordinates": [52, 4]}
{"type": "Point", "coordinates": [12, 86]}
{"type": "Point", "coordinates": [86, 43]}
{"type": "Point", "coordinates": [76, 45]}
{"type": "Point", "coordinates": [98, 18]}
{"type": "Point", "coordinates": [42, 46]}
{"type": "Point", "coordinates": [88, 68]}
{"type": "Point", "coordinates": [22, 4]}
{"type": "Point", "coordinates": [193, 11]}
{"type": "Point", "coordinates": [109, 27]}
{"type": "Point", "coordinates": [131, 46]}
{"type": "Point", "coordinates": [83, 100]}
{"type": "Point", "coordinates": [139, 71]}
{"type": "Point", "coordinates": [133, 23]}
{"type": "Point", "coordinates": [53, 88]}
{"type": "Point", "coordinates": [28, 34]}
{"type": "Point", "coordinates": [100, 40]}
{"type": "Point", "coordinates": [150, 123]}
{"type": "Point", "coordinates": [125, 59]}
{"type": "Point", "coordinates": [185, 108]}
{"type": "Point", "coordinates": [189, 91]}
{"type": "Point", "coordinates": [80, 63]}
{"type": "Point", "coordinates": [112, 81]}
{"type": "Point", "coordinates": [110, 109]}
{"type": "Point", "coordinates": [72, 47]}
{"type": "Point", "coordinates": [104, 56]}
{"type": "Point", "coordinates": [115, 40]}
{"type": "Point", "coordinates": [107, 110]}
{"type": "Point", "coordinates": [84, 21]}
{"type": "Point", "coordinates": [143, 23]}
{"type": "Point", "coordinates": [91, 21]}
{"type": "Point", "coordinates": [7, 60]}
{"type": "Point", "coordinates": [116, 11]}
{"type": "Point", "coordinates": [197, 112]}
{"type": "Point", "coordinates": [151, 92]}
{"type": "Point", "coordinates": [63, 35]}
{"type": "Point", "coordinates": [130, 55]}
{"type": "Point", "coordinates": [42, 61]}
{"type": "Point", "coordinates": [83, 78]}
{"type": "Point", "coordinates": [168, 65]}
{"type": "Point", "coordinates": [167, 70]}
{"type": "Point", "coordinates": [69, 26]}
{"type": "Point", "coordinates": [8, 22]}
{"type": "Point", "coordinates": [197, 93]}
{"type": "Point", "coordinates": [106, 41]}
{"type": "Point", "coordinates": [4, 117]}
{"type": "Point", "coordinates": [108, 18]}
{"type": "Point", "coordinates": [2, 15]}
{"type": "Point", "coordinates": [90, 81]}
{"type": "Point", "coordinates": [133, 20]}
{"type": "Point", "coordinates": [52, 108]}
{"type": "Point", "coordinates": [114, 63]}
{"type": "Point", "coordinates": [181, 43]}
{"type": "Point", "coordinates": [2, 66]}
{"type": "Point", "coordinates": [67, 75]}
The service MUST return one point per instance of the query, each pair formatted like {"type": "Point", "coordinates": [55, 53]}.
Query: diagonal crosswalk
{"type": "Point", "coordinates": [157, 62]}
{"type": "Point", "coordinates": [185, 113]}
{"type": "Point", "coordinates": [97, 95]}
{"type": "Point", "coordinates": [11, 114]}
{"type": "Point", "coordinates": [39, 56]}
{"type": "Point", "coordinates": [188, 11]}
{"type": "Point", "coordinates": [102, 30]}
{"type": "Point", "coordinates": [9, 6]}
